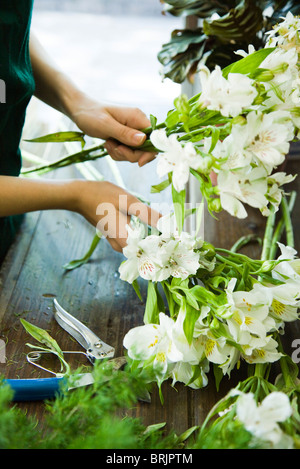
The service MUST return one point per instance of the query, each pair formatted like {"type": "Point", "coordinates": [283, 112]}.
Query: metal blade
{"type": "Point", "coordinates": [96, 349]}
{"type": "Point", "coordinates": [84, 379]}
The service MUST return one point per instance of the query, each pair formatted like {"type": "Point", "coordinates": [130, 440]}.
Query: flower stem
{"type": "Point", "coordinates": [288, 223]}
{"type": "Point", "coordinates": [267, 241]}
{"type": "Point", "coordinates": [79, 157]}
{"type": "Point", "coordinates": [280, 226]}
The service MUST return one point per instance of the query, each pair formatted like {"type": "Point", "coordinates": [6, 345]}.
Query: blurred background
{"type": "Point", "coordinates": [109, 49]}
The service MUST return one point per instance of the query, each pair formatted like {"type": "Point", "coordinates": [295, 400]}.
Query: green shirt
{"type": "Point", "coordinates": [16, 72]}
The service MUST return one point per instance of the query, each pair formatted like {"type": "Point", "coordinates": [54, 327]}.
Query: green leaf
{"type": "Point", "coordinates": [156, 188]}
{"type": "Point", "coordinates": [181, 55]}
{"type": "Point", "coordinates": [42, 336]}
{"type": "Point", "coordinates": [153, 428]}
{"type": "Point", "coordinates": [249, 64]}
{"type": "Point", "coordinates": [137, 289]}
{"type": "Point", "coordinates": [192, 314]}
{"type": "Point", "coordinates": [185, 435]}
{"type": "Point", "coordinates": [68, 136]}
{"type": "Point", "coordinates": [78, 262]}
{"type": "Point", "coordinates": [179, 202]}
{"type": "Point", "coordinates": [153, 121]}
{"type": "Point", "coordinates": [239, 23]}
{"type": "Point", "coordinates": [218, 374]}
{"type": "Point", "coordinates": [151, 315]}
{"type": "Point", "coordinates": [89, 154]}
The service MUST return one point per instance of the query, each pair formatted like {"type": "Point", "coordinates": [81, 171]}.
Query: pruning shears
{"type": "Point", "coordinates": [37, 389]}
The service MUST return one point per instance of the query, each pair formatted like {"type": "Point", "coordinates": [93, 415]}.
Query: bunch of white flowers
{"type": "Point", "coordinates": [240, 127]}
{"type": "Point", "coordinates": [220, 307]}
{"type": "Point", "coordinates": [227, 328]}
{"type": "Point", "coordinates": [165, 254]}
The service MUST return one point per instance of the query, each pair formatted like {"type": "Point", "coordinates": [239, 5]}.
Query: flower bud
{"type": "Point", "coordinates": [214, 324]}
{"type": "Point", "coordinates": [267, 266]}
{"type": "Point", "coordinates": [281, 68]}
{"type": "Point", "coordinates": [239, 120]}
{"type": "Point", "coordinates": [265, 75]}
{"type": "Point", "coordinates": [214, 205]}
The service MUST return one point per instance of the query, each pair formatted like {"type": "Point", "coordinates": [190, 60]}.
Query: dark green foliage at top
{"type": "Point", "coordinates": [214, 42]}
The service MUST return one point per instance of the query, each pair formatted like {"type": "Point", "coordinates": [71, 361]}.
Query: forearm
{"type": "Point", "coordinates": [21, 195]}
{"type": "Point", "coordinates": [119, 126]}
{"type": "Point", "coordinates": [52, 86]}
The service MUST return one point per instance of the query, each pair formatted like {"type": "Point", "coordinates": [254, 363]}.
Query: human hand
{"type": "Point", "coordinates": [109, 208]}
{"type": "Point", "coordinates": [119, 126]}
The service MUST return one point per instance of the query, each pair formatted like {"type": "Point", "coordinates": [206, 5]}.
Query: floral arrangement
{"type": "Point", "coordinates": [222, 307]}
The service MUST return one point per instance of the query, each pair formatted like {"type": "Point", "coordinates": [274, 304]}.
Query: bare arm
{"type": "Point", "coordinates": [102, 204]}
{"type": "Point", "coordinates": [21, 195]}
{"type": "Point", "coordinates": [119, 126]}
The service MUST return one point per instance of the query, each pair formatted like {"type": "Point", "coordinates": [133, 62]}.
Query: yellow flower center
{"type": "Point", "coordinates": [278, 307]}
{"type": "Point", "coordinates": [161, 357]}
{"type": "Point", "coordinates": [260, 353]}
{"type": "Point", "coordinates": [210, 345]}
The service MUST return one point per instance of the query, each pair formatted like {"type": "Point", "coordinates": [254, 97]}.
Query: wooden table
{"type": "Point", "coordinates": [32, 275]}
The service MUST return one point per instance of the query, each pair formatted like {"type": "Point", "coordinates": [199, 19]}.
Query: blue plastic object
{"type": "Point", "coordinates": [36, 389]}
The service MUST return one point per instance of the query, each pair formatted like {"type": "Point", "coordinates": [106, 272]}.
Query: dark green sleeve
{"type": "Point", "coordinates": [16, 72]}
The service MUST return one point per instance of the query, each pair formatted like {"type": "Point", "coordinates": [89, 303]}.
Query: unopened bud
{"type": "Point", "coordinates": [214, 205]}
{"type": "Point", "coordinates": [265, 75]}
{"type": "Point", "coordinates": [281, 68]}
{"type": "Point", "coordinates": [214, 324]}
{"type": "Point", "coordinates": [239, 120]}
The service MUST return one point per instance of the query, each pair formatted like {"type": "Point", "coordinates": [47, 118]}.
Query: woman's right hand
{"type": "Point", "coordinates": [109, 208]}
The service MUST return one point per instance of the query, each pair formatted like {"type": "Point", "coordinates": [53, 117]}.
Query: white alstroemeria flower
{"type": "Point", "coordinates": [231, 150]}
{"type": "Point", "coordinates": [184, 372]}
{"type": "Point", "coordinates": [243, 53]}
{"type": "Point", "coordinates": [285, 97]}
{"type": "Point", "coordinates": [284, 299]}
{"type": "Point", "coordinates": [286, 32]}
{"type": "Point", "coordinates": [289, 267]}
{"type": "Point", "coordinates": [250, 315]}
{"type": "Point", "coordinates": [167, 225]}
{"type": "Point", "coordinates": [244, 186]}
{"type": "Point", "coordinates": [262, 420]}
{"type": "Point", "coordinates": [275, 192]}
{"type": "Point", "coordinates": [193, 352]}
{"type": "Point", "coordinates": [283, 64]}
{"type": "Point", "coordinates": [174, 158]}
{"type": "Point", "coordinates": [179, 260]}
{"type": "Point", "coordinates": [141, 260]}
{"type": "Point", "coordinates": [154, 341]}
{"type": "Point", "coordinates": [228, 96]}
{"type": "Point", "coordinates": [266, 137]}
{"type": "Point", "coordinates": [216, 349]}
{"type": "Point", "coordinates": [158, 257]}
{"type": "Point", "coordinates": [266, 353]}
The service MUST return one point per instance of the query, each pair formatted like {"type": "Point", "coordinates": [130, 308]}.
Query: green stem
{"type": "Point", "coordinates": [265, 255]}
{"type": "Point", "coordinates": [243, 241]}
{"type": "Point", "coordinates": [288, 223]}
{"type": "Point", "coordinates": [280, 227]}
{"type": "Point", "coordinates": [79, 157]}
